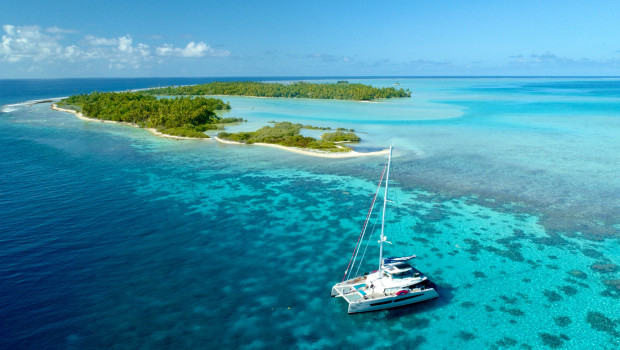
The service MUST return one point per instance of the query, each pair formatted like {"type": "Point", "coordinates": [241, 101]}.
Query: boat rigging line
{"type": "Point", "coordinates": [356, 250]}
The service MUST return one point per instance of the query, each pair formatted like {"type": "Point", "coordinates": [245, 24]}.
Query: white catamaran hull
{"type": "Point", "coordinates": [391, 302]}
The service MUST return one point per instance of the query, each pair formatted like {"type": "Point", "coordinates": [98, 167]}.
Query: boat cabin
{"type": "Point", "coordinates": [400, 270]}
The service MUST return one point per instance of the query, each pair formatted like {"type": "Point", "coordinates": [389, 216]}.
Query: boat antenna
{"type": "Point", "coordinates": [385, 200]}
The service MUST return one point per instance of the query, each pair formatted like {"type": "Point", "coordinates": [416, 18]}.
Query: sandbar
{"type": "Point", "coordinates": [310, 152]}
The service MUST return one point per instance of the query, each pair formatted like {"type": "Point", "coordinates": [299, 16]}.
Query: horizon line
{"type": "Point", "coordinates": [333, 77]}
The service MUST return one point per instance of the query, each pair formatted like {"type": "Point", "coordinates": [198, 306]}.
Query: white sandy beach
{"type": "Point", "coordinates": [308, 152]}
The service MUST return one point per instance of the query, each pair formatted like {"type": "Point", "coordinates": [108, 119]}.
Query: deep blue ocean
{"type": "Point", "coordinates": [507, 189]}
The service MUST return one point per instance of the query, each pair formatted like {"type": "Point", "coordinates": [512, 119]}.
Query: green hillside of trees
{"type": "Point", "coordinates": [338, 91]}
{"type": "Point", "coordinates": [181, 116]}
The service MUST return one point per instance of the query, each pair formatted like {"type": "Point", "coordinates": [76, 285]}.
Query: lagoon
{"type": "Point", "coordinates": [507, 191]}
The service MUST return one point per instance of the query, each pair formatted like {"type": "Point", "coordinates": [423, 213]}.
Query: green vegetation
{"type": "Point", "coordinates": [310, 127]}
{"type": "Point", "coordinates": [340, 136]}
{"type": "Point", "coordinates": [284, 134]}
{"type": "Point", "coordinates": [182, 116]}
{"type": "Point", "coordinates": [338, 91]}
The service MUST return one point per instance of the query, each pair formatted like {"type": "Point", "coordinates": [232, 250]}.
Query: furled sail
{"type": "Point", "coordinates": [393, 260]}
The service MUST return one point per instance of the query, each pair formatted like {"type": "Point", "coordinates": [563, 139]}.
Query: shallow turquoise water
{"type": "Point", "coordinates": [506, 190]}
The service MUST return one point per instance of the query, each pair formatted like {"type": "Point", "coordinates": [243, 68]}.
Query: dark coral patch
{"type": "Point", "coordinates": [552, 341]}
{"type": "Point", "coordinates": [522, 296]}
{"type": "Point", "coordinates": [416, 343]}
{"type": "Point", "coordinates": [435, 214]}
{"type": "Point", "coordinates": [480, 274]}
{"type": "Point", "coordinates": [465, 335]}
{"type": "Point", "coordinates": [513, 312]}
{"type": "Point", "coordinates": [420, 239]}
{"type": "Point", "coordinates": [578, 274]}
{"type": "Point", "coordinates": [489, 308]}
{"type": "Point", "coordinates": [591, 253]}
{"type": "Point", "coordinates": [475, 246]}
{"type": "Point", "coordinates": [508, 300]}
{"type": "Point", "coordinates": [613, 289]}
{"type": "Point", "coordinates": [511, 254]}
{"type": "Point", "coordinates": [604, 267]}
{"type": "Point", "coordinates": [506, 342]}
{"type": "Point", "coordinates": [554, 240]}
{"type": "Point", "coordinates": [602, 323]}
{"type": "Point", "coordinates": [580, 284]}
{"type": "Point", "coordinates": [426, 229]}
{"type": "Point", "coordinates": [533, 263]}
{"type": "Point", "coordinates": [416, 323]}
{"type": "Point", "coordinates": [552, 296]}
{"type": "Point", "coordinates": [467, 304]}
{"type": "Point", "coordinates": [568, 290]}
{"type": "Point", "coordinates": [562, 321]}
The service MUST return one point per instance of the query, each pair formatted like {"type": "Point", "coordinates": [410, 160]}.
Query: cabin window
{"type": "Point", "coordinates": [402, 266]}
{"type": "Point", "coordinates": [402, 275]}
{"type": "Point", "coordinates": [409, 297]}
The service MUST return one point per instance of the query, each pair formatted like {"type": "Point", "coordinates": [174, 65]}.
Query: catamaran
{"type": "Point", "coordinates": [396, 283]}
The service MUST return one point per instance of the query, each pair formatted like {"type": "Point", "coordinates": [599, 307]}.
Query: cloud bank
{"type": "Point", "coordinates": [32, 44]}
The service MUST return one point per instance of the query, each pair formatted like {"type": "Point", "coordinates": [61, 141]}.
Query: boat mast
{"type": "Point", "coordinates": [385, 200]}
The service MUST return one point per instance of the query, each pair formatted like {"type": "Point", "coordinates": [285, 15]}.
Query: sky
{"type": "Point", "coordinates": [74, 39]}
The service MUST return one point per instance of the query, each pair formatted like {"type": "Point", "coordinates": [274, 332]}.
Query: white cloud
{"type": "Point", "coordinates": [56, 30]}
{"type": "Point", "coordinates": [28, 42]}
{"type": "Point", "coordinates": [124, 44]}
{"type": "Point", "coordinates": [329, 58]}
{"type": "Point", "coordinates": [94, 41]}
{"type": "Point", "coordinates": [32, 44]}
{"type": "Point", "coordinates": [550, 59]}
{"type": "Point", "coordinates": [72, 53]}
{"type": "Point", "coordinates": [191, 50]}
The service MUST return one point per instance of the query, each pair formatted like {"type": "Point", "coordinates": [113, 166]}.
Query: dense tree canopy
{"type": "Point", "coordinates": [182, 116]}
{"type": "Point", "coordinates": [340, 136]}
{"type": "Point", "coordinates": [338, 91]}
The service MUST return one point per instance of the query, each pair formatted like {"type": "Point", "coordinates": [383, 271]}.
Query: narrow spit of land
{"type": "Point", "coordinates": [286, 134]}
{"type": "Point", "coordinates": [311, 152]}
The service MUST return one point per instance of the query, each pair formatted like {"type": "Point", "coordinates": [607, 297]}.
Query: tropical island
{"type": "Point", "coordinates": [288, 135]}
{"type": "Point", "coordinates": [341, 90]}
{"type": "Point", "coordinates": [179, 116]}
{"type": "Point", "coordinates": [190, 116]}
